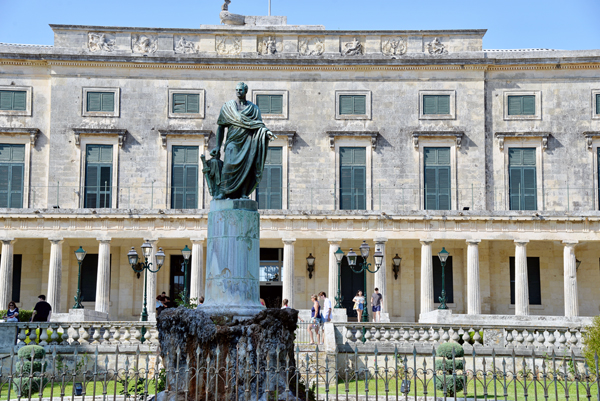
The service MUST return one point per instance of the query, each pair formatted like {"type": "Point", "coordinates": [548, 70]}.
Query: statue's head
{"type": "Point", "coordinates": [241, 89]}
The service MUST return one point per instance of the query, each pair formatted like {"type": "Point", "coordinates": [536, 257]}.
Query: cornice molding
{"type": "Point", "coordinates": [501, 136]}
{"type": "Point", "coordinates": [354, 134]}
{"type": "Point", "coordinates": [100, 131]}
{"type": "Point", "coordinates": [164, 133]}
{"type": "Point", "coordinates": [457, 135]}
{"type": "Point", "coordinates": [32, 132]}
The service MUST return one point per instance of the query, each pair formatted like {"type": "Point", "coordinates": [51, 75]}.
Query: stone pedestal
{"type": "Point", "coordinates": [79, 315]}
{"type": "Point", "coordinates": [232, 259]}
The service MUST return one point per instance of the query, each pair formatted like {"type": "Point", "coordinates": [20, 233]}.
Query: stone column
{"type": "Point", "coordinates": [380, 277]}
{"type": "Point", "coordinates": [151, 283]}
{"type": "Point", "coordinates": [571, 301]}
{"type": "Point", "coordinates": [197, 272]}
{"type": "Point", "coordinates": [287, 276]}
{"type": "Point", "coordinates": [103, 277]}
{"type": "Point", "coordinates": [55, 274]}
{"type": "Point", "coordinates": [426, 276]}
{"type": "Point", "coordinates": [6, 272]}
{"type": "Point", "coordinates": [332, 288]}
{"type": "Point", "coordinates": [473, 289]}
{"type": "Point", "coordinates": [521, 282]}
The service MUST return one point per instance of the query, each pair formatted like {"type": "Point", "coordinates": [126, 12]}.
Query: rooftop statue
{"type": "Point", "coordinates": [245, 149]}
{"type": "Point", "coordinates": [229, 18]}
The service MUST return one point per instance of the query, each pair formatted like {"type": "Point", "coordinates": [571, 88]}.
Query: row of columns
{"type": "Point", "coordinates": [521, 279]}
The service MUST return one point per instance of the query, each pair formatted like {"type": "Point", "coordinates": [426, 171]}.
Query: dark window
{"type": "Point", "coordinates": [436, 104]}
{"type": "Point", "coordinates": [13, 100]}
{"type": "Point", "coordinates": [533, 280]}
{"type": "Point", "coordinates": [598, 104]}
{"type": "Point", "coordinates": [269, 193]}
{"type": "Point", "coordinates": [437, 179]}
{"type": "Point", "coordinates": [271, 263]}
{"type": "Point", "coordinates": [353, 104]}
{"type": "Point", "coordinates": [353, 178]}
{"type": "Point", "coordinates": [89, 277]}
{"type": "Point", "coordinates": [12, 167]}
{"type": "Point", "coordinates": [98, 176]}
{"type": "Point", "coordinates": [270, 104]}
{"type": "Point", "coordinates": [521, 105]}
{"type": "Point", "coordinates": [16, 278]}
{"type": "Point", "coordinates": [101, 101]}
{"type": "Point", "coordinates": [178, 277]}
{"type": "Point", "coordinates": [437, 280]}
{"type": "Point", "coordinates": [184, 181]}
{"type": "Point", "coordinates": [522, 179]}
{"type": "Point", "coordinates": [186, 103]}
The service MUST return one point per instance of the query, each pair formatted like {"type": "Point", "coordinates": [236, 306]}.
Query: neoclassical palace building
{"type": "Point", "coordinates": [412, 141]}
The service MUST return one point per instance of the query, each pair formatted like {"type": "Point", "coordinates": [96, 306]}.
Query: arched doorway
{"type": "Point", "coordinates": [351, 283]}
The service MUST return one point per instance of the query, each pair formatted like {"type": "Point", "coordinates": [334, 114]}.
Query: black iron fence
{"type": "Point", "coordinates": [445, 374]}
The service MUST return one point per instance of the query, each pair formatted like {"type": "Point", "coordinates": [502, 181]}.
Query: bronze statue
{"type": "Point", "coordinates": [245, 149]}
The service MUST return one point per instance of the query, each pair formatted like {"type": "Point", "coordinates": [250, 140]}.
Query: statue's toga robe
{"type": "Point", "coordinates": [245, 149]}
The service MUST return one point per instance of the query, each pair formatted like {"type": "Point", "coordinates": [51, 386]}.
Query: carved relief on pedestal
{"type": "Point", "coordinates": [183, 46]}
{"type": "Point", "coordinates": [311, 46]}
{"type": "Point", "coordinates": [393, 46]}
{"type": "Point", "coordinates": [352, 48]}
{"type": "Point", "coordinates": [99, 41]}
{"type": "Point", "coordinates": [228, 45]}
{"type": "Point", "coordinates": [436, 47]}
{"type": "Point", "coordinates": [269, 45]}
{"type": "Point", "coordinates": [144, 44]}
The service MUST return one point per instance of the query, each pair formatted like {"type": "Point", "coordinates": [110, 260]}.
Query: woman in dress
{"type": "Point", "coordinates": [359, 304]}
{"type": "Point", "coordinates": [12, 314]}
{"type": "Point", "coordinates": [315, 319]}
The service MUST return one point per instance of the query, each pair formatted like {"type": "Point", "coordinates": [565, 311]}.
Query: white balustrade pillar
{"type": "Point", "coordinates": [521, 282]}
{"type": "Point", "coordinates": [473, 289]}
{"type": "Point", "coordinates": [197, 272]}
{"type": "Point", "coordinates": [151, 283]}
{"type": "Point", "coordinates": [6, 272]}
{"type": "Point", "coordinates": [380, 277]}
{"type": "Point", "coordinates": [287, 276]}
{"type": "Point", "coordinates": [103, 277]}
{"type": "Point", "coordinates": [332, 288]}
{"type": "Point", "coordinates": [570, 273]}
{"type": "Point", "coordinates": [426, 276]}
{"type": "Point", "coordinates": [55, 274]}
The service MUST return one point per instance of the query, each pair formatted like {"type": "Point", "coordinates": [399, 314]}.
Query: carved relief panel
{"type": "Point", "coordinates": [228, 45]}
{"type": "Point", "coordinates": [393, 46]}
{"type": "Point", "coordinates": [101, 41]}
{"type": "Point", "coordinates": [185, 45]}
{"type": "Point", "coordinates": [144, 44]}
{"type": "Point", "coordinates": [268, 45]}
{"type": "Point", "coordinates": [436, 47]}
{"type": "Point", "coordinates": [352, 46]}
{"type": "Point", "coordinates": [311, 45]}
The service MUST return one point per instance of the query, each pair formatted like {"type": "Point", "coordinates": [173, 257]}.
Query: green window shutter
{"type": "Point", "coordinates": [92, 177]}
{"type": "Point", "coordinates": [360, 105]}
{"type": "Point", "coordinates": [444, 198]}
{"type": "Point", "coordinates": [346, 188]}
{"type": "Point", "coordinates": [12, 169]}
{"type": "Point", "coordinates": [177, 190]}
{"type": "Point", "coordinates": [184, 177]}
{"type": "Point", "coordinates": [4, 185]}
{"type": "Point", "coordinates": [13, 100]}
{"type": "Point", "coordinates": [16, 186]}
{"type": "Point", "coordinates": [522, 179]}
{"type": "Point", "coordinates": [437, 179]}
{"type": "Point", "coordinates": [430, 188]}
{"type": "Point", "coordinates": [264, 103]}
{"type": "Point", "coordinates": [191, 186]}
{"type": "Point", "coordinates": [20, 100]}
{"type": "Point", "coordinates": [270, 188]}
{"type": "Point", "coordinates": [94, 101]}
{"type": "Point", "coordinates": [179, 103]}
{"type": "Point", "coordinates": [429, 104]}
{"type": "Point", "coordinates": [359, 182]}
{"type": "Point", "coordinates": [346, 104]}
{"type": "Point", "coordinates": [529, 189]}
{"type": "Point", "coordinates": [444, 104]}
{"type": "Point", "coordinates": [277, 104]}
{"type": "Point", "coordinates": [6, 100]}
{"type": "Point", "coordinates": [98, 176]}
{"type": "Point", "coordinates": [353, 177]}
{"type": "Point", "coordinates": [521, 105]}
{"type": "Point", "coordinates": [108, 102]}
{"type": "Point", "coordinates": [436, 104]}
{"type": "Point", "coordinates": [193, 103]}
{"type": "Point", "coordinates": [275, 181]}
{"type": "Point", "coordinates": [529, 105]}
{"type": "Point", "coordinates": [515, 184]}
{"type": "Point", "coordinates": [598, 104]}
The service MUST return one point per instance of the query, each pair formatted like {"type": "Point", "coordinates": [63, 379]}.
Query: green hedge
{"type": "Point", "coordinates": [24, 315]}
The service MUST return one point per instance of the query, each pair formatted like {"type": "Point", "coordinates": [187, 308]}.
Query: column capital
{"type": "Point", "coordinates": [198, 240]}
{"type": "Point", "coordinates": [426, 241]}
{"type": "Point", "coordinates": [289, 241]}
{"type": "Point", "coordinates": [104, 240]}
{"type": "Point", "coordinates": [381, 240]}
{"type": "Point", "coordinates": [473, 241]}
{"type": "Point", "coordinates": [56, 240]}
{"type": "Point", "coordinates": [522, 242]}
{"type": "Point", "coordinates": [334, 241]}
{"type": "Point", "coordinates": [7, 241]}
{"type": "Point", "coordinates": [570, 242]}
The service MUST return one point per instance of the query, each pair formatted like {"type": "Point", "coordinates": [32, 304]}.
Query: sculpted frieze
{"type": "Point", "coordinates": [393, 46]}
{"type": "Point", "coordinates": [144, 44]}
{"type": "Point", "coordinates": [184, 46]}
{"type": "Point", "coordinates": [311, 46]}
{"type": "Point", "coordinates": [436, 47]}
{"type": "Point", "coordinates": [228, 45]}
{"type": "Point", "coordinates": [269, 45]}
{"type": "Point", "coordinates": [100, 41]}
{"type": "Point", "coordinates": [352, 48]}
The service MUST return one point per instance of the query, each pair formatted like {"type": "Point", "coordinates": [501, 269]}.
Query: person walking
{"type": "Point", "coordinates": [376, 298]}
{"type": "Point", "coordinates": [315, 319]}
{"type": "Point", "coordinates": [359, 304]}
{"type": "Point", "coordinates": [42, 310]}
{"type": "Point", "coordinates": [12, 313]}
{"type": "Point", "coordinates": [285, 304]}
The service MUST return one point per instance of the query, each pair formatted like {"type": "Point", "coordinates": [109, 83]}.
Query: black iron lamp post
{"type": "Point", "coordinates": [443, 255]}
{"type": "Point", "coordinates": [187, 253]}
{"type": "Point", "coordinates": [396, 269]}
{"type": "Point", "coordinates": [365, 267]}
{"type": "Point", "coordinates": [79, 254]}
{"type": "Point", "coordinates": [310, 265]}
{"type": "Point", "coordinates": [146, 267]}
{"type": "Point", "coordinates": [339, 255]}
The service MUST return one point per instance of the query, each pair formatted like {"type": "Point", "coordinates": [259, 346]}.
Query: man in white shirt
{"type": "Point", "coordinates": [327, 309]}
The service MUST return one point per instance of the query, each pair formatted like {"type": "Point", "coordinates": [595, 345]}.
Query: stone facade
{"type": "Point", "coordinates": [311, 67]}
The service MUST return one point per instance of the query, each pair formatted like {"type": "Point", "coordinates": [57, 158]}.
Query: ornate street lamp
{"type": "Point", "coordinates": [310, 265]}
{"type": "Point", "coordinates": [79, 254]}
{"type": "Point", "coordinates": [443, 255]}
{"type": "Point", "coordinates": [339, 255]}
{"type": "Point", "coordinates": [146, 267]}
{"type": "Point", "coordinates": [187, 253]}
{"type": "Point", "coordinates": [396, 263]}
{"type": "Point", "coordinates": [365, 267]}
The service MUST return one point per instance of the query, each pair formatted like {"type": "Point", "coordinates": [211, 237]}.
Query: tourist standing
{"type": "Point", "coordinates": [12, 313]}
{"type": "Point", "coordinates": [376, 302]}
{"type": "Point", "coordinates": [327, 309]}
{"type": "Point", "coordinates": [315, 319]}
{"type": "Point", "coordinates": [42, 310]}
{"type": "Point", "coordinates": [359, 304]}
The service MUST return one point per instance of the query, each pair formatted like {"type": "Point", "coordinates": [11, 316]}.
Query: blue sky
{"type": "Point", "coordinates": [511, 24]}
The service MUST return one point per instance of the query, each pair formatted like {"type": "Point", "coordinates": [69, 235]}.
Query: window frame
{"type": "Point", "coordinates": [450, 116]}
{"type": "Point", "coordinates": [11, 165]}
{"type": "Point", "coordinates": [201, 103]}
{"type": "Point", "coordinates": [84, 193]}
{"type": "Point", "coordinates": [437, 189]}
{"type": "Point", "coordinates": [438, 142]}
{"type": "Point", "coordinates": [521, 194]}
{"type": "Point", "coordinates": [285, 105]}
{"type": "Point", "coordinates": [28, 101]}
{"type": "Point", "coordinates": [264, 177]}
{"type": "Point", "coordinates": [198, 177]}
{"type": "Point", "coordinates": [339, 187]}
{"type": "Point", "coordinates": [595, 94]}
{"type": "Point", "coordinates": [99, 139]}
{"type": "Point", "coordinates": [186, 140]}
{"type": "Point", "coordinates": [115, 113]}
{"type": "Point", "coordinates": [538, 105]}
{"type": "Point", "coordinates": [23, 138]}
{"type": "Point", "coordinates": [512, 265]}
{"type": "Point", "coordinates": [368, 108]}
